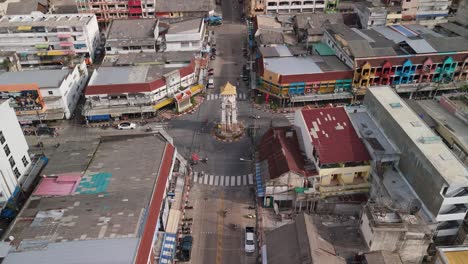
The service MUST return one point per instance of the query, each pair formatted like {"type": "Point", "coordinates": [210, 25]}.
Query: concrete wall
{"type": "Point", "coordinates": [420, 173]}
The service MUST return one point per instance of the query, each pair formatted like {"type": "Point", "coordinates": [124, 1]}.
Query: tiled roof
{"type": "Point", "coordinates": [333, 136]}
{"type": "Point", "coordinates": [282, 153]}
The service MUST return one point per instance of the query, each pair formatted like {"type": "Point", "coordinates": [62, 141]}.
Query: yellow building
{"type": "Point", "coordinates": [340, 157]}
{"type": "Point", "coordinates": [451, 255]}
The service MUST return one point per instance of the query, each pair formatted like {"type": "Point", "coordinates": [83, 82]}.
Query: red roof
{"type": "Point", "coordinates": [187, 69]}
{"type": "Point", "coordinates": [334, 139]}
{"type": "Point", "coordinates": [282, 153]}
{"type": "Point", "coordinates": [125, 88]}
{"type": "Point", "coordinates": [145, 246]}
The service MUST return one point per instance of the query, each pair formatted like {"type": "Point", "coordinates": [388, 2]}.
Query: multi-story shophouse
{"type": "Point", "coordinates": [105, 11]}
{"type": "Point", "coordinates": [44, 94]}
{"type": "Point", "coordinates": [328, 139]}
{"type": "Point", "coordinates": [411, 58]}
{"type": "Point", "coordinates": [14, 157]}
{"type": "Point", "coordinates": [50, 39]}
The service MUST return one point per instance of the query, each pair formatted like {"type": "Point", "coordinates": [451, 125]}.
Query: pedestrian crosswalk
{"type": "Point", "coordinates": [290, 118]}
{"type": "Point", "coordinates": [240, 96]}
{"type": "Point", "coordinates": [227, 181]}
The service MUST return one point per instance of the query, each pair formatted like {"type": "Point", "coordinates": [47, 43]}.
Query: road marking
{"type": "Point", "coordinates": [205, 179]}
{"type": "Point", "coordinates": [220, 229]}
{"type": "Point", "coordinates": [239, 180]}
{"type": "Point", "coordinates": [195, 176]}
{"type": "Point", "coordinates": [200, 179]}
{"type": "Point", "coordinates": [244, 180]}
{"type": "Point", "coordinates": [251, 179]}
{"type": "Point", "coordinates": [212, 179]}
{"type": "Point", "coordinates": [217, 180]}
{"type": "Point", "coordinates": [233, 180]}
{"type": "Point", "coordinates": [221, 180]}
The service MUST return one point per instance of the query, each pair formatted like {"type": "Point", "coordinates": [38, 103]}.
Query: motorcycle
{"type": "Point", "coordinates": [187, 219]}
{"type": "Point", "coordinates": [188, 207]}
{"type": "Point", "coordinates": [252, 207]}
{"type": "Point", "coordinates": [251, 216]}
{"type": "Point", "coordinates": [224, 212]}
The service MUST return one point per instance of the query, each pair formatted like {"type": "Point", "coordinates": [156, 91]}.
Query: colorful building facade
{"type": "Point", "coordinates": [411, 69]}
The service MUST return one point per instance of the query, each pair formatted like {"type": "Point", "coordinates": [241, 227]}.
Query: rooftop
{"type": "Point", "coordinates": [43, 78]}
{"type": "Point", "coordinates": [105, 211]}
{"type": "Point", "coordinates": [453, 255]}
{"type": "Point", "coordinates": [456, 126]}
{"type": "Point", "coordinates": [275, 51]}
{"type": "Point", "coordinates": [300, 242]}
{"type": "Point", "coordinates": [186, 26]}
{"type": "Point", "coordinates": [280, 152]}
{"type": "Point", "coordinates": [47, 20]}
{"type": "Point", "coordinates": [377, 143]}
{"type": "Point", "coordinates": [333, 136]}
{"type": "Point", "coordinates": [123, 32]}
{"type": "Point", "coordinates": [430, 145]}
{"type": "Point", "coordinates": [267, 21]}
{"type": "Point", "coordinates": [147, 58]}
{"type": "Point", "coordinates": [184, 5]}
{"type": "Point", "coordinates": [128, 74]}
{"type": "Point", "coordinates": [304, 65]}
{"type": "Point", "coordinates": [24, 7]}
{"type": "Point", "coordinates": [394, 40]}
{"type": "Point", "coordinates": [382, 257]}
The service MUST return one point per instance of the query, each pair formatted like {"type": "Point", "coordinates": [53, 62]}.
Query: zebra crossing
{"type": "Point", "coordinates": [290, 118]}
{"type": "Point", "coordinates": [227, 181]}
{"type": "Point", "coordinates": [240, 96]}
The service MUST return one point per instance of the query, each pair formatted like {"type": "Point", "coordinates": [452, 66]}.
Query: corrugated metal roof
{"type": "Point", "coordinates": [43, 78]}
{"type": "Point", "coordinates": [420, 46]}
{"type": "Point", "coordinates": [103, 251]}
{"type": "Point", "coordinates": [334, 138]}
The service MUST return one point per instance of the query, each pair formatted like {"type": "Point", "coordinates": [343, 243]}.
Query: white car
{"type": "Point", "coordinates": [126, 125]}
{"type": "Point", "coordinates": [249, 239]}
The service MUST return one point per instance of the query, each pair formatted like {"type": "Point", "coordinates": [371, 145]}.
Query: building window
{"type": "Point", "coordinates": [25, 161]}
{"type": "Point", "coordinates": [7, 150]}
{"type": "Point", "coordinates": [2, 138]}
{"type": "Point", "coordinates": [12, 161]}
{"type": "Point", "coordinates": [17, 173]}
{"type": "Point", "coordinates": [51, 92]}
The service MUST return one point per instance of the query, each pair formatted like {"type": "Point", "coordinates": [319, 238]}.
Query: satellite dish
{"type": "Point", "coordinates": [11, 238]}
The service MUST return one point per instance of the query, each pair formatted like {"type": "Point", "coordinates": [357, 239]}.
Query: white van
{"type": "Point", "coordinates": [210, 83]}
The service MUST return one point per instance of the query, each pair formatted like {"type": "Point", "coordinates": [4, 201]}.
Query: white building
{"type": "Point", "coordinates": [437, 176]}
{"type": "Point", "coordinates": [295, 6]}
{"type": "Point", "coordinates": [131, 36]}
{"type": "Point", "coordinates": [14, 157]}
{"type": "Point", "coordinates": [55, 92]}
{"type": "Point", "coordinates": [50, 39]}
{"type": "Point", "coordinates": [182, 36]}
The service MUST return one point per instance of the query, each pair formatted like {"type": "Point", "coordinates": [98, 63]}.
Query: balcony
{"type": "Point", "coordinates": [338, 187]}
{"type": "Point", "coordinates": [64, 35]}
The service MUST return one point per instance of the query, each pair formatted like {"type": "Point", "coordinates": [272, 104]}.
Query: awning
{"type": "Point", "coordinates": [163, 103]}
{"type": "Point", "coordinates": [195, 157]}
{"type": "Point", "coordinates": [24, 28]}
{"type": "Point", "coordinates": [258, 178]}
{"type": "Point", "coordinates": [168, 248]}
{"type": "Point", "coordinates": [196, 89]}
{"type": "Point", "coordinates": [99, 117]}
{"type": "Point", "coordinates": [42, 46]}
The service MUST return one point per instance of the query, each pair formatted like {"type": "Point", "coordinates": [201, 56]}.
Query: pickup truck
{"type": "Point", "coordinates": [249, 239]}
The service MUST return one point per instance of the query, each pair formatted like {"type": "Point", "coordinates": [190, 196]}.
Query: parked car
{"type": "Point", "coordinates": [249, 239]}
{"type": "Point", "coordinates": [126, 126]}
{"type": "Point", "coordinates": [186, 248]}
{"type": "Point", "coordinates": [45, 130]}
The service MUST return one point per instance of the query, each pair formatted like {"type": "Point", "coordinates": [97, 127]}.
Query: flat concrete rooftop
{"type": "Point", "coordinates": [108, 203]}
{"type": "Point", "coordinates": [431, 146]}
